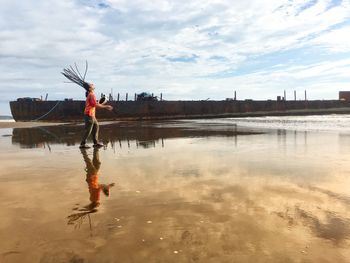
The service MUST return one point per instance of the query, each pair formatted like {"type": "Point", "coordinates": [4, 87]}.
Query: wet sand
{"type": "Point", "coordinates": [13, 124]}
{"type": "Point", "coordinates": [183, 192]}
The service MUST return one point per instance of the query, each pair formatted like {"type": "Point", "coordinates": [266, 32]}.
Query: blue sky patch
{"type": "Point", "coordinates": [218, 58]}
{"type": "Point", "coordinates": [307, 5]}
{"type": "Point", "coordinates": [103, 5]}
{"type": "Point", "coordinates": [334, 3]}
{"type": "Point", "coordinates": [185, 59]}
{"type": "Point", "coordinates": [278, 60]}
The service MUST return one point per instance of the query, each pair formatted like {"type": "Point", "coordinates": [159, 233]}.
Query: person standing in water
{"type": "Point", "coordinates": [91, 124]}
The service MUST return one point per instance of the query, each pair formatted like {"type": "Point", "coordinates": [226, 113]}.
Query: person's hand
{"type": "Point", "coordinates": [109, 107]}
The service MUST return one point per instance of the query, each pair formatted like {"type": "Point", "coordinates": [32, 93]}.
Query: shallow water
{"type": "Point", "coordinates": [185, 191]}
{"type": "Point", "coordinates": [332, 122]}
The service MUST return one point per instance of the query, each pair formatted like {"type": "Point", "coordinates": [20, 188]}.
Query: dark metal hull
{"type": "Point", "coordinates": [63, 111]}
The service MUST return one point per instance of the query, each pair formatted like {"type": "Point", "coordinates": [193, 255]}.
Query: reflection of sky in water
{"type": "Point", "coordinates": [338, 123]}
{"type": "Point", "coordinates": [210, 196]}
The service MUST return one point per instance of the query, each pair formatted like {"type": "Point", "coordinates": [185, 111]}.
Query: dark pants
{"type": "Point", "coordinates": [91, 127]}
{"type": "Point", "coordinates": [92, 167]}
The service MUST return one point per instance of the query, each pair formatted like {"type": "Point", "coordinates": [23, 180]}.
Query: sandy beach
{"type": "Point", "coordinates": [191, 191]}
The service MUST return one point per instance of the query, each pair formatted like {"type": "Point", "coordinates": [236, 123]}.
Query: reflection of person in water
{"type": "Point", "coordinates": [92, 169]}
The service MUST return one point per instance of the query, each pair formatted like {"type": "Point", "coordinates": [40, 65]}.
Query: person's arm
{"type": "Point", "coordinates": [94, 103]}
{"type": "Point", "coordinates": [101, 106]}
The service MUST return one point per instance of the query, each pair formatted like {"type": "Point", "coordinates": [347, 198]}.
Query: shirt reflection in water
{"type": "Point", "coordinates": [92, 169]}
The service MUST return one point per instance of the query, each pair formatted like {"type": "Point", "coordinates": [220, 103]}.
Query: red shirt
{"type": "Point", "coordinates": [94, 188]}
{"type": "Point", "coordinates": [90, 105]}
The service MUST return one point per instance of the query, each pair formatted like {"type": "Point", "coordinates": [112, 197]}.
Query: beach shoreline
{"type": "Point", "coordinates": [33, 124]}
{"type": "Point", "coordinates": [13, 124]}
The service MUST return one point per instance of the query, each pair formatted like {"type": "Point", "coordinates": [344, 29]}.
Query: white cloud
{"type": "Point", "coordinates": [336, 40]}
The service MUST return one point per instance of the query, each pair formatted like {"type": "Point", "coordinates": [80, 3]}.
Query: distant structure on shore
{"type": "Point", "coordinates": [344, 95]}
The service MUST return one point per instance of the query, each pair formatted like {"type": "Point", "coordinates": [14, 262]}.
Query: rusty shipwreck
{"type": "Point", "coordinates": [72, 110]}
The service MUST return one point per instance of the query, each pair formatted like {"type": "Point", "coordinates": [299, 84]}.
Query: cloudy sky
{"type": "Point", "coordinates": [195, 49]}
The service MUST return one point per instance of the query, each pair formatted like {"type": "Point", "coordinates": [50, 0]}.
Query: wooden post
{"type": "Point", "coordinates": [135, 97]}
{"type": "Point", "coordinates": [305, 96]}
{"type": "Point", "coordinates": [47, 94]}
{"type": "Point", "coordinates": [161, 96]}
{"type": "Point", "coordinates": [126, 97]}
{"type": "Point", "coordinates": [118, 97]}
{"type": "Point", "coordinates": [235, 97]}
{"type": "Point", "coordinates": [284, 95]}
{"type": "Point", "coordinates": [295, 95]}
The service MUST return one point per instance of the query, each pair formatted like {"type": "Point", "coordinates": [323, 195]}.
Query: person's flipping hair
{"type": "Point", "coordinates": [76, 77]}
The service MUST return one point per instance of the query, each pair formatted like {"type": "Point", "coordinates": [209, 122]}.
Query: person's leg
{"type": "Point", "coordinates": [96, 159]}
{"type": "Point", "coordinates": [90, 167]}
{"type": "Point", "coordinates": [88, 128]}
{"type": "Point", "coordinates": [95, 130]}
